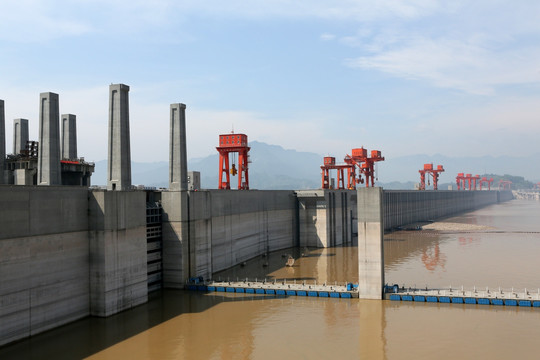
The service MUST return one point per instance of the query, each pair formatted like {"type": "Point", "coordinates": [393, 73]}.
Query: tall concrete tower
{"type": "Point", "coordinates": [2, 140]}
{"type": "Point", "coordinates": [49, 172]}
{"type": "Point", "coordinates": [177, 149]}
{"type": "Point", "coordinates": [20, 135]}
{"type": "Point", "coordinates": [69, 136]}
{"type": "Point", "coordinates": [119, 162]}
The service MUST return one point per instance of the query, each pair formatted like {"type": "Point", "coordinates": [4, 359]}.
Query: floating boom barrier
{"type": "Point", "coordinates": [500, 297]}
{"type": "Point", "coordinates": [275, 287]}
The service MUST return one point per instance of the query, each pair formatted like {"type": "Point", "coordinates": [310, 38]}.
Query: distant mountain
{"type": "Point", "coordinates": [273, 167]}
{"type": "Point", "coordinates": [406, 168]}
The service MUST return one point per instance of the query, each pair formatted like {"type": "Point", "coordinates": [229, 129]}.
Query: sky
{"type": "Point", "coordinates": [457, 78]}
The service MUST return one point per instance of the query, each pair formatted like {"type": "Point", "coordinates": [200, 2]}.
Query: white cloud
{"type": "Point", "coordinates": [469, 48]}
{"type": "Point", "coordinates": [327, 37]}
{"type": "Point", "coordinates": [37, 20]}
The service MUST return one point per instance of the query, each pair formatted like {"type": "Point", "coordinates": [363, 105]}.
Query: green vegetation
{"type": "Point", "coordinates": [518, 182]}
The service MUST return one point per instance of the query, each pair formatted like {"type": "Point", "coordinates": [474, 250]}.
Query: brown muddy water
{"type": "Point", "coordinates": [495, 246]}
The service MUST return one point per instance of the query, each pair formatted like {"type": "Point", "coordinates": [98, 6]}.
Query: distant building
{"type": "Point", "coordinates": [194, 180]}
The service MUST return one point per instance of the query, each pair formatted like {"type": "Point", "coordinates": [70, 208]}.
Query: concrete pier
{"type": "Point", "coordinates": [2, 141]}
{"type": "Point", "coordinates": [325, 217]}
{"type": "Point", "coordinates": [370, 243]}
{"type": "Point", "coordinates": [177, 149]}
{"type": "Point", "coordinates": [49, 172]}
{"type": "Point", "coordinates": [117, 251]}
{"type": "Point", "coordinates": [69, 136]}
{"type": "Point", "coordinates": [119, 159]}
{"type": "Point", "coordinates": [20, 135]}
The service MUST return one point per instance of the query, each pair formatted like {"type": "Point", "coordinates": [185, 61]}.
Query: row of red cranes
{"type": "Point", "coordinates": [238, 144]}
{"type": "Point", "coordinates": [469, 182]}
{"type": "Point", "coordinates": [359, 159]}
{"type": "Point", "coordinates": [463, 181]}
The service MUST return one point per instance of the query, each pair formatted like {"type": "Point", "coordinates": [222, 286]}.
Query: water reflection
{"type": "Point", "coordinates": [433, 258]}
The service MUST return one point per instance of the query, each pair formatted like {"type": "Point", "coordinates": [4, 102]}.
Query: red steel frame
{"type": "Point", "coordinates": [233, 143]}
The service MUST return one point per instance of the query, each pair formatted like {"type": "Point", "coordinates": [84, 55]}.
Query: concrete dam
{"type": "Point", "coordinates": [68, 252]}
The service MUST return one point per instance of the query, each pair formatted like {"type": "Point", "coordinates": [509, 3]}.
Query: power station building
{"type": "Point", "coordinates": [52, 160]}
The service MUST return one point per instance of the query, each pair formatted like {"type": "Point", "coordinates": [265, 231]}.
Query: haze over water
{"type": "Point", "coordinates": [495, 246]}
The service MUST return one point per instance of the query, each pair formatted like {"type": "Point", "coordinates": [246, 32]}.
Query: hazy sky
{"type": "Point", "coordinates": [402, 76]}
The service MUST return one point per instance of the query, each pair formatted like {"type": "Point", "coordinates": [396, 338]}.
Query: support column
{"type": "Point", "coordinates": [177, 149]}
{"type": "Point", "coordinates": [2, 141]}
{"type": "Point", "coordinates": [119, 160]}
{"type": "Point", "coordinates": [69, 136]}
{"type": "Point", "coordinates": [20, 135]}
{"type": "Point", "coordinates": [370, 243]}
{"type": "Point", "coordinates": [49, 172]}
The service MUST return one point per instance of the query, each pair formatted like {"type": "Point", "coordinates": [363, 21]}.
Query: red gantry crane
{"type": "Point", "coordinates": [475, 179]}
{"type": "Point", "coordinates": [233, 143]}
{"type": "Point", "coordinates": [487, 181]}
{"type": "Point", "coordinates": [505, 184]}
{"type": "Point", "coordinates": [469, 182]}
{"type": "Point", "coordinates": [430, 171]}
{"type": "Point", "coordinates": [367, 164]}
{"type": "Point", "coordinates": [330, 164]}
{"type": "Point", "coordinates": [360, 159]}
{"type": "Point", "coordinates": [460, 181]}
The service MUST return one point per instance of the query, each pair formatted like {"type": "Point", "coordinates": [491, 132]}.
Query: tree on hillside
{"type": "Point", "coordinates": [518, 182]}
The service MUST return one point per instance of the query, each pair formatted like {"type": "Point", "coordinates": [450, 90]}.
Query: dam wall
{"type": "Point", "coordinates": [407, 207]}
{"type": "Point", "coordinates": [117, 251]}
{"type": "Point", "coordinates": [326, 217]}
{"type": "Point", "coordinates": [69, 252]}
{"type": "Point", "coordinates": [211, 230]}
{"type": "Point", "coordinates": [62, 259]}
{"type": "Point", "coordinates": [44, 259]}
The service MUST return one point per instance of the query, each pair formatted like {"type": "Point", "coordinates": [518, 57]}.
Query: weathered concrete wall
{"type": "Point", "coordinates": [506, 195]}
{"type": "Point", "coordinates": [117, 237]}
{"type": "Point", "coordinates": [224, 228]}
{"type": "Point", "coordinates": [406, 207]}
{"type": "Point", "coordinates": [326, 217]}
{"type": "Point", "coordinates": [370, 243]}
{"type": "Point", "coordinates": [175, 227]}
{"type": "Point", "coordinates": [246, 224]}
{"type": "Point", "coordinates": [63, 257]}
{"type": "Point", "coordinates": [44, 259]}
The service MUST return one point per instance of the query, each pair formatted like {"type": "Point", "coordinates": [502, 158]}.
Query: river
{"type": "Point", "coordinates": [493, 247]}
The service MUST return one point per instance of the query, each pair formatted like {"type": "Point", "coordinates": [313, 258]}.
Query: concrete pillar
{"type": "Point", "coordinates": [370, 243]}
{"type": "Point", "coordinates": [69, 136]}
{"type": "Point", "coordinates": [20, 135]}
{"type": "Point", "coordinates": [177, 149]}
{"type": "Point", "coordinates": [2, 141]}
{"type": "Point", "coordinates": [119, 161]}
{"type": "Point", "coordinates": [49, 172]}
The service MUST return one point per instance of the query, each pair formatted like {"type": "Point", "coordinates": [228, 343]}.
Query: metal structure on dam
{"type": "Point", "coordinates": [68, 252]}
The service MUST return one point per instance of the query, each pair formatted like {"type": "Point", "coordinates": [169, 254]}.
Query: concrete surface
{"type": "Point", "coordinates": [370, 243]}
{"type": "Point", "coordinates": [69, 136]}
{"type": "Point", "coordinates": [20, 135]}
{"type": "Point", "coordinates": [2, 141]}
{"type": "Point", "coordinates": [117, 239]}
{"type": "Point", "coordinates": [119, 155]}
{"type": "Point", "coordinates": [326, 217]}
{"type": "Point", "coordinates": [49, 140]}
{"type": "Point", "coordinates": [177, 149]}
